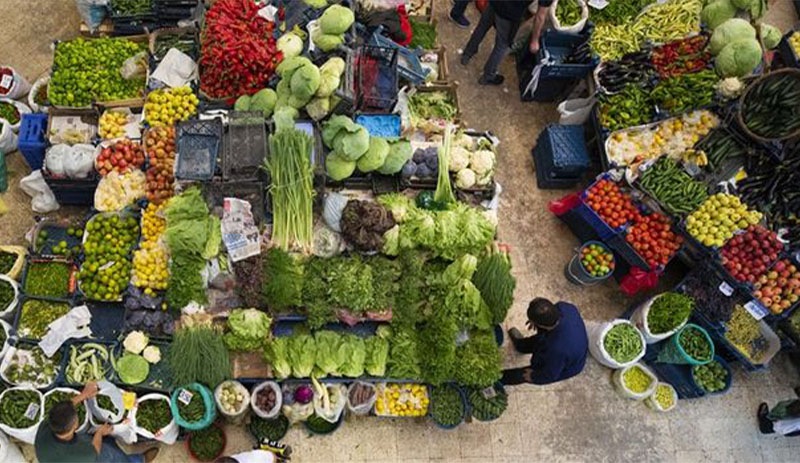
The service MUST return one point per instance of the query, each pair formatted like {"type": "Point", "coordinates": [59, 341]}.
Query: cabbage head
{"type": "Point", "coordinates": [399, 153]}
{"type": "Point", "coordinates": [347, 138]}
{"type": "Point", "coordinates": [329, 79]}
{"type": "Point", "coordinates": [743, 4]}
{"type": "Point", "coordinates": [297, 102]}
{"type": "Point", "coordinates": [289, 65]}
{"type": "Point", "coordinates": [304, 83]}
{"type": "Point", "coordinates": [264, 100]}
{"type": "Point", "coordinates": [334, 66]}
{"type": "Point", "coordinates": [318, 108]}
{"type": "Point", "coordinates": [375, 155]}
{"type": "Point", "coordinates": [739, 58]}
{"type": "Point", "coordinates": [729, 31]}
{"type": "Point", "coordinates": [717, 12]}
{"type": "Point", "coordinates": [770, 35]}
{"type": "Point", "coordinates": [336, 19]}
{"type": "Point", "coordinates": [338, 167]}
{"type": "Point", "coordinates": [242, 103]}
{"type": "Point", "coordinates": [327, 42]}
{"type": "Point", "coordinates": [290, 44]}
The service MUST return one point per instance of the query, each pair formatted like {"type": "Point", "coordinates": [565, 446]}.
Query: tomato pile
{"type": "Point", "coordinates": [653, 239]}
{"type": "Point", "coordinates": [239, 54]}
{"type": "Point", "coordinates": [597, 260]}
{"type": "Point", "coordinates": [779, 289]}
{"type": "Point", "coordinates": [611, 204]}
{"type": "Point", "coordinates": [120, 156]}
{"type": "Point", "coordinates": [749, 255]}
{"type": "Point", "coordinates": [160, 147]}
{"type": "Point", "coordinates": [681, 57]}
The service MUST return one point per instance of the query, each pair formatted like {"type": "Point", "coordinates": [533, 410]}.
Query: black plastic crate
{"type": "Point", "coordinates": [18, 314]}
{"type": "Point", "coordinates": [116, 15]}
{"type": "Point", "coordinates": [562, 149]}
{"type": "Point", "coordinates": [557, 47]}
{"type": "Point", "coordinates": [198, 147]}
{"type": "Point", "coordinates": [73, 192]}
{"type": "Point", "coordinates": [106, 365]}
{"type": "Point", "coordinates": [545, 181]}
{"type": "Point", "coordinates": [790, 59]}
{"type": "Point", "coordinates": [377, 78]}
{"type": "Point", "coordinates": [108, 319]}
{"type": "Point", "coordinates": [252, 191]}
{"type": "Point", "coordinates": [245, 146]}
{"type": "Point", "coordinates": [678, 376]}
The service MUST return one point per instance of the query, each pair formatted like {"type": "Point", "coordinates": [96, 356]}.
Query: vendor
{"type": "Point", "coordinates": [58, 440]}
{"type": "Point", "coordinates": [559, 346]}
{"type": "Point", "coordinates": [784, 418]}
{"type": "Point", "coordinates": [505, 16]}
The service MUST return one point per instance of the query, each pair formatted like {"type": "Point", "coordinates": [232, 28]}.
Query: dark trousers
{"type": "Point", "coordinates": [513, 376]}
{"type": "Point", "coordinates": [111, 453]}
{"type": "Point", "coordinates": [459, 7]}
{"type": "Point", "coordinates": [504, 30]}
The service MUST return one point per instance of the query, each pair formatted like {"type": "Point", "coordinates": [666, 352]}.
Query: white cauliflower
{"type": "Point", "coordinates": [464, 141]}
{"type": "Point", "coordinates": [465, 178]}
{"type": "Point", "coordinates": [482, 162]}
{"type": "Point", "coordinates": [152, 354]}
{"type": "Point", "coordinates": [459, 158]}
{"type": "Point", "coordinates": [730, 87]}
{"type": "Point", "coordinates": [135, 342]}
{"type": "Point", "coordinates": [484, 179]}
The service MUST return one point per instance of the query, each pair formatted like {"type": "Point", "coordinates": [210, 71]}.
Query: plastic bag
{"type": "Point", "coordinates": [9, 309]}
{"type": "Point", "coordinates": [7, 329]}
{"type": "Point", "coordinates": [80, 162]}
{"type": "Point", "coordinates": [365, 407]}
{"type": "Point", "coordinates": [9, 450]}
{"type": "Point", "coordinates": [652, 403]}
{"type": "Point", "coordinates": [332, 211]}
{"type": "Point", "coordinates": [8, 139]}
{"type": "Point", "coordinates": [92, 12]}
{"type": "Point", "coordinates": [672, 351]}
{"type": "Point", "coordinates": [54, 159]}
{"type": "Point", "coordinates": [135, 66]}
{"type": "Point", "coordinates": [597, 332]}
{"type": "Point", "coordinates": [638, 280]}
{"type": "Point", "coordinates": [571, 28]}
{"type": "Point", "coordinates": [21, 252]}
{"type": "Point", "coordinates": [43, 200]}
{"type": "Point", "coordinates": [639, 318]}
{"type": "Point", "coordinates": [237, 416]}
{"type": "Point", "coordinates": [278, 400]}
{"type": "Point", "coordinates": [22, 108]}
{"type": "Point", "coordinates": [26, 435]}
{"type": "Point", "coordinates": [184, 395]}
{"type": "Point", "coordinates": [81, 426]}
{"type": "Point", "coordinates": [619, 383]}
{"type": "Point", "coordinates": [102, 415]}
{"type": "Point", "coordinates": [337, 402]}
{"type": "Point", "coordinates": [575, 111]}
{"type": "Point", "coordinates": [561, 206]}
{"type": "Point", "coordinates": [122, 432]}
{"type": "Point", "coordinates": [168, 434]}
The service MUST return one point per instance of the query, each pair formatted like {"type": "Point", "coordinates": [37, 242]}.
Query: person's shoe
{"type": "Point", "coordinates": [764, 424]}
{"type": "Point", "coordinates": [461, 21]}
{"type": "Point", "coordinates": [797, 391]}
{"type": "Point", "coordinates": [150, 454]}
{"type": "Point", "coordinates": [514, 333]}
{"type": "Point", "coordinates": [496, 79]}
{"type": "Point", "coordinates": [465, 59]}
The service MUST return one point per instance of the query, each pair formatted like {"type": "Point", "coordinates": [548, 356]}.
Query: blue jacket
{"type": "Point", "coordinates": [560, 353]}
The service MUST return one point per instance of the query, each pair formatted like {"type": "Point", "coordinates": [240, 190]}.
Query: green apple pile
{"type": "Point", "coordinates": [718, 218]}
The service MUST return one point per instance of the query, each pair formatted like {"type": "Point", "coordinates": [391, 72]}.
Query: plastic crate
{"type": "Point", "coordinates": [380, 125]}
{"type": "Point", "coordinates": [56, 232]}
{"type": "Point", "coordinates": [377, 78]}
{"type": "Point", "coordinates": [408, 66]}
{"type": "Point", "coordinates": [72, 280]}
{"type": "Point", "coordinates": [557, 46]}
{"type": "Point", "coordinates": [621, 248]}
{"type": "Point", "coordinates": [563, 149]}
{"type": "Point", "coordinates": [106, 365]}
{"type": "Point", "coordinates": [33, 139]}
{"type": "Point", "coordinates": [678, 376]}
{"type": "Point", "coordinates": [73, 192]}
{"type": "Point", "coordinates": [544, 181]}
{"type": "Point", "coordinates": [245, 146]}
{"type": "Point", "coordinates": [252, 191]}
{"type": "Point", "coordinates": [788, 55]}
{"type": "Point", "coordinates": [108, 319]}
{"type": "Point", "coordinates": [198, 147]}
{"type": "Point", "coordinates": [18, 313]}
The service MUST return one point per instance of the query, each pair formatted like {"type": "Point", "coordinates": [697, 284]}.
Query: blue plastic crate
{"type": "Point", "coordinates": [544, 179]}
{"type": "Point", "coordinates": [556, 46]}
{"type": "Point", "coordinates": [380, 125]}
{"type": "Point", "coordinates": [563, 147]}
{"type": "Point", "coordinates": [728, 381]}
{"type": "Point", "coordinates": [33, 139]}
{"type": "Point", "coordinates": [678, 376]}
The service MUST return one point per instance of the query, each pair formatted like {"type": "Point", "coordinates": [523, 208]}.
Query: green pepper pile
{"type": "Point", "coordinates": [59, 396]}
{"type": "Point", "coordinates": [194, 410]}
{"type": "Point", "coordinates": [686, 91]}
{"type": "Point", "coordinates": [630, 107]}
{"type": "Point", "coordinates": [711, 377]}
{"type": "Point", "coordinates": [14, 405]}
{"type": "Point", "coordinates": [675, 190]}
{"type": "Point", "coordinates": [7, 261]}
{"type": "Point", "coordinates": [153, 415]}
{"type": "Point", "coordinates": [9, 112]}
{"type": "Point", "coordinates": [695, 344]}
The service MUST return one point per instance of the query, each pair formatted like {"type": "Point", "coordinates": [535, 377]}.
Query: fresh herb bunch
{"type": "Point", "coordinates": [47, 279]}
{"type": "Point", "coordinates": [198, 354]}
{"type": "Point", "coordinates": [479, 361]}
{"type": "Point", "coordinates": [494, 280]}
{"type": "Point", "coordinates": [446, 405]}
{"type": "Point", "coordinates": [423, 34]}
{"type": "Point", "coordinates": [270, 429]}
{"type": "Point", "coordinates": [403, 358]}
{"type": "Point", "coordinates": [668, 311]}
{"type": "Point", "coordinates": [283, 280]}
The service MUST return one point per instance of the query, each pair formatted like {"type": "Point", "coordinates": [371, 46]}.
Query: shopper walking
{"type": "Point", "coordinates": [505, 16]}
{"type": "Point", "coordinates": [457, 13]}
{"type": "Point", "coordinates": [784, 418]}
{"type": "Point", "coordinates": [559, 346]}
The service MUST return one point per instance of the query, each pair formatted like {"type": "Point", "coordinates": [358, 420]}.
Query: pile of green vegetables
{"type": "Point", "coordinates": [696, 344]}
{"type": "Point", "coordinates": [131, 7]}
{"type": "Point", "coordinates": [283, 280]}
{"type": "Point", "coordinates": [335, 21]}
{"type": "Point", "coordinates": [207, 444]}
{"type": "Point", "coordinates": [685, 92]}
{"type": "Point", "coordinates": [353, 148]}
{"type": "Point", "coordinates": [769, 108]}
{"type": "Point", "coordinates": [479, 361]}
{"type": "Point", "coordinates": [630, 107]}
{"type": "Point", "coordinates": [7, 261]}
{"type": "Point", "coordinates": [59, 395]}
{"type": "Point", "coordinates": [106, 269]}
{"type": "Point", "coordinates": [87, 362]}
{"type": "Point", "coordinates": [104, 402]}
{"type": "Point", "coordinates": [711, 377]}
{"type": "Point", "coordinates": [674, 189]}
{"type": "Point", "coordinates": [14, 405]}
{"type": "Point", "coordinates": [247, 330]}
{"type": "Point", "coordinates": [719, 147]}
{"type": "Point", "coordinates": [153, 414]}
{"type": "Point", "coordinates": [85, 71]}
{"type": "Point", "coordinates": [744, 332]}
{"type": "Point", "coordinates": [6, 294]}
{"type": "Point", "coordinates": [270, 429]}
{"type": "Point", "coordinates": [619, 12]}
{"type": "Point", "coordinates": [446, 407]}
{"type": "Point", "coordinates": [494, 280]}
{"type": "Point", "coordinates": [623, 342]}
{"type": "Point", "coordinates": [437, 105]}
{"type": "Point", "coordinates": [669, 311]}
{"type": "Point", "coordinates": [37, 315]}
{"type": "Point", "coordinates": [48, 279]}
{"type": "Point", "coordinates": [664, 396]}
{"type": "Point", "coordinates": [568, 12]}
{"type": "Point", "coordinates": [319, 425]}
{"type": "Point", "coordinates": [636, 379]}
{"type": "Point", "coordinates": [29, 366]}
{"type": "Point", "coordinates": [198, 354]}
{"type": "Point", "coordinates": [9, 112]}
{"type": "Point", "coordinates": [194, 410]}
{"type": "Point", "coordinates": [193, 236]}
{"type": "Point", "coordinates": [328, 353]}
{"type": "Point", "coordinates": [487, 405]}
{"type": "Point", "coordinates": [423, 34]}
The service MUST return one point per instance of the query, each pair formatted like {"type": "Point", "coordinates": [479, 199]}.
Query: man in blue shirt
{"type": "Point", "coordinates": [559, 347]}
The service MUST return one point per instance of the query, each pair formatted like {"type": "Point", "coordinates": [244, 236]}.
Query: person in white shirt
{"type": "Point", "coordinates": [253, 456]}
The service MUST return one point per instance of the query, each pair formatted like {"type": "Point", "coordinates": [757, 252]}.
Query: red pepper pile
{"type": "Point", "coordinates": [238, 54]}
{"type": "Point", "coordinates": [683, 56]}
{"type": "Point", "coordinates": [653, 239]}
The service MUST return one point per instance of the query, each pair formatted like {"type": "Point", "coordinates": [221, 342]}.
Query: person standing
{"type": "Point", "coordinates": [559, 346]}
{"type": "Point", "coordinates": [457, 13]}
{"type": "Point", "coordinates": [505, 16]}
{"type": "Point", "coordinates": [784, 418]}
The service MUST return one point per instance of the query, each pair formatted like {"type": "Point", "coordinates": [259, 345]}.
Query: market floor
{"type": "Point", "coordinates": [582, 419]}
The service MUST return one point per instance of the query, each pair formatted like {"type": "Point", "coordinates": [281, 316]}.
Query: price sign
{"type": "Point", "coordinates": [756, 310]}
{"type": "Point", "coordinates": [598, 4]}
{"type": "Point", "coordinates": [185, 396]}
{"type": "Point", "coordinates": [726, 289]}
{"type": "Point", "coordinates": [32, 412]}
{"type": "Point", "coordinates": [128, 400]}
{"type": "Point", "coordinates": [6, 82]}
{"type": "Point", "coordinates": [489, 392]}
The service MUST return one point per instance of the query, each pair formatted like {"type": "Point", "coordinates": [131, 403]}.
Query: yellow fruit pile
{"type": "Point", "coordinates": [150, 261]}
{"type": "Point", "coordinates": [794, 41]}
{"type": "Point", "coordinates": [718, 218]}
{"type": "Point", "coordinates": [112, 124]}
{"type": "Point", "coordinates": [408, 400]}
{"type": "Point", "coordinates": [168, 106]}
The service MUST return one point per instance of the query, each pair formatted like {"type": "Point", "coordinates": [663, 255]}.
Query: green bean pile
{"type": "Point", "coordinates": [623, 343]}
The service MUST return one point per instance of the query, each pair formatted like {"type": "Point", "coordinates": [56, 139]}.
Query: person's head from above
{"type": "Point", "coordinates": [543, 314]}
{"type": "Point", "coordinates": [63, 420]}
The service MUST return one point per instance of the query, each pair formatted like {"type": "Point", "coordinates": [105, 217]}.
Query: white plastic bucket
{"type": "Point", "coordinates": [12, 84]}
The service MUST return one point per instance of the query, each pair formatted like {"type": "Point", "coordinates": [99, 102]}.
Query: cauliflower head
{"type": "Point", "coordinates": [482, 162]}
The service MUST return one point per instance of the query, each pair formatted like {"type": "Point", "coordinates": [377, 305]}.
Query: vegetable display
{"type": "Point", "coordinates": [58, 396]}
{"type": "Point", "coordinates": [597, 260]}
{"type": "Point", "coordinates": [248, 330]}
{"type": "Point", "coordinates": [265, 399]}
{"type": "Point", "coordinates": [653, 238]}
{"type": "Point", "coordinates": [709, 300]}
{"type": "Point", "coordinates": [672, 187]}
{"type": "Point", "coordinates": [9, 112]}
{"type": "Point", "coordinates": [747, 256]}
{"type": "Point", "coordinates": [14, 406]}
{"type": "Point", "coordinates": [207, 444]}
{"type": "Point", "coordinates": [364, 224]}
{"type": "Point", "coordinates": [104, 402]}
{"type": "Point", "coordinates": [633, 68]}
{"type": "Point", "coordinates": [487, 407]}
{"type": "Point", "coordinates": [404, 400]}
{"type": "Point", "coordinates": [106, 268]}
{"type": "Point", "coordinates": [360, 394]}
{"type": "Point", "coordinates": [120, 157]}
{"type": "Point", "coordinates": [669, 311]}
{"type": "Point", "coordinates": [719, 147]}
{"type": "Point", "coordinates": [48, 279]}
{"type": "Point", "coordinates": [685, 92]}
{"type": "Point", "coordinates": [231, 398]}
{"type": "Point", "coordinates": [165, 107]}
{"type": "Point", "coordinates": [198, 354]}
{"type": "Point", "coordinates": [130, 7]}
{"type": "Point", "coordinates": [283, 280]}
{"type": "Point", "coordinates": [664, 396]}
{"type": "Point", "coordinates": [681, 57]}
{"type": "Point", "coordinates": [132, 369]}
{"type": "Point", "coordinates": [478, 361]}
{"type": "Point", "coordinates": [318, 425]}
{"type": "Point", "coordinates": [37, 315]}
{"type": "Point", "coordinates": [613, 205]}
{"type": "Point", "coordinates": [446, 407]}
{"type": "Point", "coordinates": [636, 380]}
{"type": "Point", "coordinates": [711, 377]}
{"type": "Point", "coordinates": [718, 218]}
{"type": "Point", "coordinates": [270, 429]}
{"type": "Point", "coordinates": [695, 344]}
{"type": "Point", "coordinates": [493, 279]}
{"type": "Point", "coordinates": [159, 145]}
{"type": "Point", "coordinates": [193, 411]}
{"type": "Point", "coordinates": [153, 415]}
{"type": "Point", "coordinates": [87, 362]}
{"type": "Point", "coordinates": [29, 366]}
{"type": "Point", "coordinates": [631, 106]}
{"type": "Point", "coordinates": [423, 34]}
{"type": "Point", "coordinates": [768, 107]}
{"type": "Point", "coordinates": [568, 12]}
{"type": "Point", "coordinates": [151, 260]}
{"type": "Point", "coordinates": [623, 343]}
{"type": "Point", "coordinates": [432, 105]}
{"type": "Point", "coordinates": [7, 261]}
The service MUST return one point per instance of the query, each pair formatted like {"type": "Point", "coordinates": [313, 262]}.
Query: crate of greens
{"type": "Point", "coordinates": [64, 394]}
{"type": "Point", "coordinates": [151, 418]}
{"type": "Point", "coordinates": [714, 377]}
{"type": "Point", "coordinates": [21, 412]}
{"type": "Point", "coordinates": [448, 406]}
{"type": "Point", "coordinates": [689, 345]}
{"type": "Point", "coordinates": [193, 407]}
{"type": "Point", "coordinates": [487, 404]}
{"type": "Point", "coordinates": [676, 192]}
{"type": "Point", "coordinates": [635, 382]}
{"type": "Point", "coordinates": [48, 278]}
{"type": "Point", "coordinates": [26, 364]}
{"type": "Point", "coordinates": [662, 315]}
{"type": "Point", "coordinates": [12, 260]}
{"type": "Point", "coordinates": [9, 296]}
{"type": "Point", "coordinates": [664, 399]}
{"type": "Point", "coordinates": [35, 316]}
{"type": "Point", "coordinates": [206, 444]}
{"type": "Point", "coordinates": [616, 344]}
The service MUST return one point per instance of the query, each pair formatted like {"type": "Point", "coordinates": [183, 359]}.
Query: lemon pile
{"type": "Point", "coordinates": [168, 106]}
{"type": "Point", "coordinates": [718, 218]}
{"type": "Point", "coordinates": [794, 42]}
{"type": "Point", "coordinates": [410, 400]}
{"type": "Point", "coordinates": [150, 261]}
{"type": "Point", "coordinates": [112, 124]}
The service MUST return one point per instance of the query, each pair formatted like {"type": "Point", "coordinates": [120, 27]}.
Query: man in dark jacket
{"type": "Point", "coordinates": [559, 347]}
{"type": "Point", "coordinates": [505, 16]}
